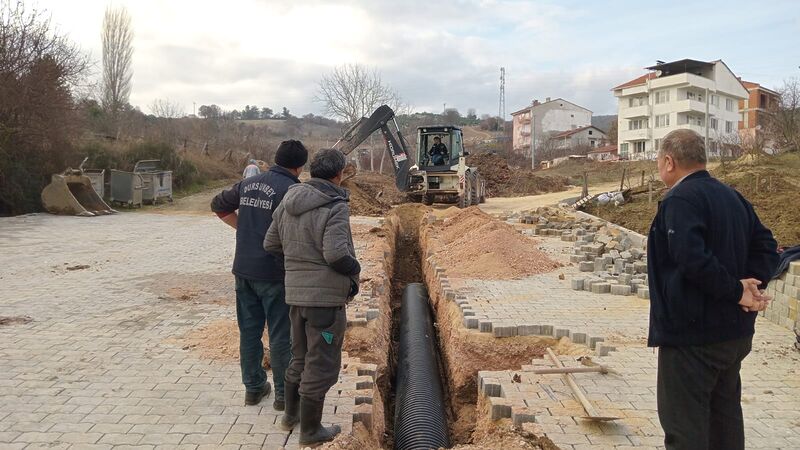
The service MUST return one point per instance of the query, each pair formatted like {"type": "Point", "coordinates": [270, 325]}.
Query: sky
{"type": "Point", "coordinates": [273, 52]}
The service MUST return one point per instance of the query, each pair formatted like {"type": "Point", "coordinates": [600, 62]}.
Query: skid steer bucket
{"type": "Point", "coordinates": [71, 193]}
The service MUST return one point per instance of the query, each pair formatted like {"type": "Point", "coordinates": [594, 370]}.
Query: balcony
{"type": "Point", "coordinates": [682, 79]}
{"type": "Point", "coordinates": [636, 111]}
{"type": "Point", "coordinates": [635, 135]}
{"type": "Point", "coordinates": [688, 105]}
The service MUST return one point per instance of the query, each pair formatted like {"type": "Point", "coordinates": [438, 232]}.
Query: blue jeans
{"type": "Point", "coordinates": [260, 303]}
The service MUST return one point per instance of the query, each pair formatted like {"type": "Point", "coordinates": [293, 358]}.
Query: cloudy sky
{"type": "Point", "coordinates": [273, 52]}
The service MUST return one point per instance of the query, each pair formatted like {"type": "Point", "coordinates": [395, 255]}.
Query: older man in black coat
{"type": "Point", "coordinates": [708, 257]}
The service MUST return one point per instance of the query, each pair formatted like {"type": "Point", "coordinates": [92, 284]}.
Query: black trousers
{"type": "Point", "coordinates": [317, 337]}
{"type": "Point", "coordinates": [699, 395]}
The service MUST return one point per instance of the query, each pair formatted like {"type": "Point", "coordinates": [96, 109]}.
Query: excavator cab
{"type": "Point", "coordinates": [438, 154]}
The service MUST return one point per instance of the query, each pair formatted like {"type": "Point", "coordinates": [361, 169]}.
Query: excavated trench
{"type": "Point", "coordinates": [460, 353]}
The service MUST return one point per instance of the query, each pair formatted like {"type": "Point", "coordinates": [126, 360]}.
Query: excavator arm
{"type": "Point", "coordinates": [397, 148]}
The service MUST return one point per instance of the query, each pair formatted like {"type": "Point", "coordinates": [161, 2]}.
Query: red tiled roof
{"type": "Point", "coordinates": [636, 81]}
{"type": "Point", "coordinates": [750, 84]}
{"type": "Point", "coordinates": [569, 133]}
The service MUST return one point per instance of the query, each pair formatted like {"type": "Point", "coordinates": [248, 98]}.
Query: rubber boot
{"type": "Point", "coordinates": [311, 430]}
{"type": "Point", "coordinates": [291, 397]}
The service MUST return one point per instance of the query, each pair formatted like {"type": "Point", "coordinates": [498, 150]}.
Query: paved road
{"type": "Point", "coordinates": [101, 362]}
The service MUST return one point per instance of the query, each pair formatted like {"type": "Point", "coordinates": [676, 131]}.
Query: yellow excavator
{"type": "Point", "coordinates": [440, 175]}
{"type": "Point", "coordinates": [72, 193]}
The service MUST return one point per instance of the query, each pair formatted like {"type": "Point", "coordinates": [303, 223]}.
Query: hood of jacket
{"type": "Point", "coordinates": [313, 194]}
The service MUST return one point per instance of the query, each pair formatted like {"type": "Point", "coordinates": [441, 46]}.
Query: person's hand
{"type": "Point", "coordinates": [753, 300]}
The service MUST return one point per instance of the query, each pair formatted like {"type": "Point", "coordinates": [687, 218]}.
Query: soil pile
{"type": "Point", "coordinates": [770, 183]}
{"type": "Point", "coordinates": [219, 340]}
{"type": "Point", "coordinates": [479, 246]}
{"type": "Point", "coordinates": [503, 181]}
{"type": "Point", "coordinates": [372, 194]}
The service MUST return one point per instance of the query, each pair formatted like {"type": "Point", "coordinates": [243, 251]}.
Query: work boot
{"type": "Point", "coordinates": [311, 430]}
{"type": "Point", "coordinates": [291, 395]}
{"type": "Point", "coordinates": [254, 397]}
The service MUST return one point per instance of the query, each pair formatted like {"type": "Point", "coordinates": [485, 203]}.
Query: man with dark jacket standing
{"type": "Point", "coordinates": [311, 228]}
{"type": "Point", "coordinates": [708, 255]}
{"type": "Point", "coordinates": [260, 295]}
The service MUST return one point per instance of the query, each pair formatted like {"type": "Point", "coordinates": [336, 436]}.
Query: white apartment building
{"type": "Point", "coordinates": [549, 118]}
{"type": "Point", "coordinates": [701, 96]}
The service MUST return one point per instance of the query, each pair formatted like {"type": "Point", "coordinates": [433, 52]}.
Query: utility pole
{"type": "Point", "coordinates": [705, 138]}
{"type": "Point", "coordinates": [194, 109]}
{"type": "Point", "coordinates": [533, 141]}
{"type": "Point", "coordinates": [502, 107]}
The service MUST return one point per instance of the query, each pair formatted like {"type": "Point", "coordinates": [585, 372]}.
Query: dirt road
{"type": "Point", "coordinates": [500, 205]}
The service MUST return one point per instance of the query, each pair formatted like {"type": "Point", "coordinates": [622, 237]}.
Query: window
{"type": "Point", "coordinates": [695, 120]}
{"type": "Point", "coordinates": [763, 99]}
{"type": "Point", "coordinates": [728, 126]}
{"type": "Point", "coordinates": [714, 100]}
{"type": "Point", "coordinates": [637, 101]}
{"type": "Point", "coordinates": [638, 146]}
{"type": "Point", "coordinates": [662, 97]}
{"type": "Point", "coordinates": [729, 104]}
{"type": "Point", "coordinates": [658, 144]}
{"type": "Point", "coordinates": [637, 124]}
{"type": "Point", "coordinates": [623, 148]}
{"type": "Point", "coordinates": [713, 123]}
{"type": "Point", "coordinates": [590, 132]}
{"type": "Point", "coordinates": [662, 121]}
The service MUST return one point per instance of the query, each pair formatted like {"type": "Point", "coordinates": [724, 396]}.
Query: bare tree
{"type": "Point", "coordinates": [38, 121]}
{"type": "Point", "coordinates": [353, 91]}
{"type": "Point", "coordinates": [783, 122]}
{"type": "Point", "coordinates": [167, 109]}
{"type": "Point", "coordinates": [117, 61]}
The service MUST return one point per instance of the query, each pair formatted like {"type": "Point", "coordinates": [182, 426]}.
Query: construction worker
{"type": "Point", "coordinates": [708, 254]}
{"type": "Point", "coordinates": [252, 169]}
{"type": "Point", "coordinates": [260, 294]}
{"type": "Point", "coordinates": [438, 152]}
{"type": "Point", "coordinates": [311, 229]}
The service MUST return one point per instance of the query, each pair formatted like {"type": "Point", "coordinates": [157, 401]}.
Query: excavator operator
{"type": "Point", "coordinates": [438, 152]}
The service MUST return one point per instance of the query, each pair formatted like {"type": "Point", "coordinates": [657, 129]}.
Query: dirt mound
{"type": "Point", "coordinates": [504, 181]}
{"type": "Point", "coordinates": [487, 248]}
{"type": "Point", "coordinates": [372, 194]}
{"type": "Point", "coordinates": [219, 340]}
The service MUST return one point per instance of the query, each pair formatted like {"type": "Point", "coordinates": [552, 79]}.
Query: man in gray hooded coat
{"type": "Point", "coordinates": [311, 228]}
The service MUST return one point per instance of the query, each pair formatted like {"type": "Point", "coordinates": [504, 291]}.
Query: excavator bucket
{"type": "Point", "coordinates": [71, 193]}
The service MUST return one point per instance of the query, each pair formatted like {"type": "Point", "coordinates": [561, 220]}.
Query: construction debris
{"type": "Point", "coordinates": [614, 258]}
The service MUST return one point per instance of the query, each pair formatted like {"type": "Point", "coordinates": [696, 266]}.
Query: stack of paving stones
{"type": "Point", "coordinates": [785, 292]}
{"type": "Point", "coordinates": [614, 264]}
{"type": "Point", "coordinates": [364, 307]}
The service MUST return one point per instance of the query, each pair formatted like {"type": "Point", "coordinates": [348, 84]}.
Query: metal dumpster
{"type": "Point", "coordinates": [126, 188]}
{"type": "Point", "coordinates": [157, 182]}
{"type": "Point", "coordinates": [97, 177]}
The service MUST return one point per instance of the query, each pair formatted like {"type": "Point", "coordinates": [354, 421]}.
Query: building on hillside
{"type": "Point", "coordinates": [698, 95]}
{"type": "Point", "coordinates": [755, 108]}
{"type": "Point", "coordinates": [589, 136]}
{"type": "Point", "coordinates": [549, 118]}
{"type": "Point", "coordinates": [604, 153]}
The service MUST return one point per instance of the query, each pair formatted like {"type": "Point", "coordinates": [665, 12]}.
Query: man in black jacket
{"type": "Point", "coordinates": [260, 293]}
{"type": "Point", "coordinates": [708, 256]}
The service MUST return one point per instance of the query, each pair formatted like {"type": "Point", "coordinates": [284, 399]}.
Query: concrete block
{"type": "Point", "coordinates": [640, 267]}
{"type": "Point", "coordinates": [484, 325]}
{"type": "Point", "coordinates": [794, 268]}
{"type": "Point", "coordinates": [471, 322]}
{"type": "Point", "coordinates": [643, 293]}
{"type": "Point", "coordinates": [629, 268]}
{"type": "Point", "coordinates": [599, 264]}
{"type": "Point", "coordinates": [561, 332]}
{"type": "Point", "coordinates": [373, 313]}
{"type": "Point", "coordinates": [624, 278]}
{"type": "Point", "coordinates": [593, 341]}
{"type": "Point", "coordinates": [578, 338]}
{"type": "Point", "coordinates": [576, 258]}
{"type": "Point", "coordinates": [620, 289]}
{"type": "Point", "coordinates": [577, 284]}
{"type": "Point", "coordinates": [546, 330]}
{"type": "Point", "coordinates": [528, 330]}
{"type": "Point", "coordinates": [601, 288]}
{"type": "Point", "coordinates": [586, 266]}
{"type": "Point", "coordinates": [504, 331]}
{"type": "Point", "coordinates": [604, 350]}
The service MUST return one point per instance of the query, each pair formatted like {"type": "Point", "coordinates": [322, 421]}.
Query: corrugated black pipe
{"type": "Point", "coordinates": [420, 421]}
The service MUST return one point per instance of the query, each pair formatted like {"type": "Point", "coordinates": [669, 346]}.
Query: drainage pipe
{"type": "Point", "coordinates": [420, 421]}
